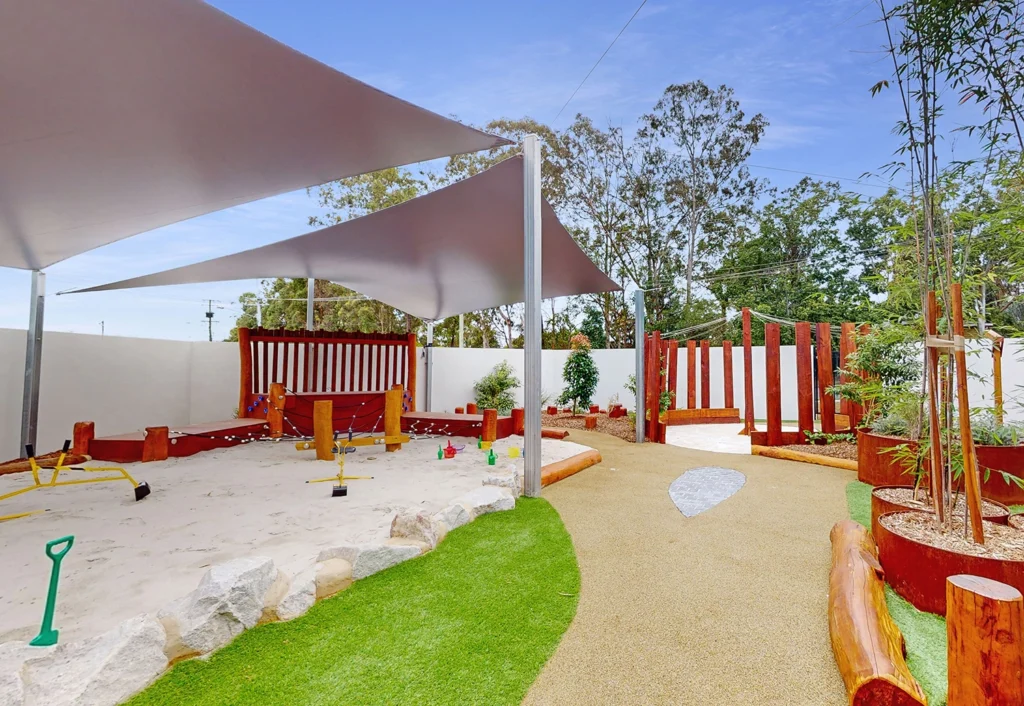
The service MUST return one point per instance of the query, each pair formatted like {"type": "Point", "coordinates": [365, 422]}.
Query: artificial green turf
{"type": "Point", "coordinates": [924, 633]}
{"type": "Point", "coordinates": [472, 622]}
{"type": "Point", "coordinates": [858, 501]}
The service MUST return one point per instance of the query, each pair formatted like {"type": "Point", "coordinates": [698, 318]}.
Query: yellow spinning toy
{"type": "Point", "coordinates": [341, 448]}
{"type": "Point", "coordinates": [141, 489]}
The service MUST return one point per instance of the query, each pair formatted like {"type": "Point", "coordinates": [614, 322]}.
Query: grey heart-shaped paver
{"type": "Point", "coordinates": [700, 489]}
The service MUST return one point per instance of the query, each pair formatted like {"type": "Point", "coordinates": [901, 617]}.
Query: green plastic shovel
{"type": "Point", "coordinates": [47, 635]}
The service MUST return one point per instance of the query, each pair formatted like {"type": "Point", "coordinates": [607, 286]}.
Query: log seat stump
{"type": "Point", "coordinates": [985, 642]}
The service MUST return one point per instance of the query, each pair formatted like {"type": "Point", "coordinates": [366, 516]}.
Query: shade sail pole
{"type": "Point", "coordinates": [532, 314]}
{"type": "Point", "coordinates": [310, 286]}
{"type": "Point", "coordinates": [638, 305]}
{"type": "Point", "coordinates": [429, 353]}
{"type": "Point", "coordinates": [33, 359]}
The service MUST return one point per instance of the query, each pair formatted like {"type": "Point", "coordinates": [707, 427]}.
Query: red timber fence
{"type": "Point", "coordinates": [807, 360]}
{"type": "Point", "coordinates": [661, 373]}
{"type": "Point", "coordinates": [323, 363]}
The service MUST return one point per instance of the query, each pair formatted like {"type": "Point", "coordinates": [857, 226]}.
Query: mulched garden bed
{"type": "Point", "coordinates": [907, 498]}
{"type": "Point", "coordinates": [620, 426]}
{"type": "Point", "coordinates": [1001, 542]}
{"type": "Point", "coordinates": [840, 449]}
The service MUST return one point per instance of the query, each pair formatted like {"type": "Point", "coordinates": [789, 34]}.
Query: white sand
{"type": "Point", "coordinates": [129, 558]}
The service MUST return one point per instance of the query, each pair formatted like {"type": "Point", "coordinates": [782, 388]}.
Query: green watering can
{"type": "Point", "coordinates": [47, 635]}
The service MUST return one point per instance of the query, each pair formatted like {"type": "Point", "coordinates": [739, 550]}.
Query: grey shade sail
{"type": "Point", "coordinates": [120, 116]}
{"type": "Point", "coordinates": [453, 250]}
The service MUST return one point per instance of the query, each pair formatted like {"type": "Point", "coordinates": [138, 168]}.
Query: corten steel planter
{"type": "Point", "coordinates": [918, 572]}
{"type": "Point", "coordinates": [876, 466]}
{"type": "Point", "coordinates": [881, 506]}
{"type": "Point", "coordinates": [1009, 459]}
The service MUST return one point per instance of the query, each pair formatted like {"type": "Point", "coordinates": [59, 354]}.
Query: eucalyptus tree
{"type": "Point", "coordinates": [707, 187]}
{"type": "Point", "coordinates": [592, 171]}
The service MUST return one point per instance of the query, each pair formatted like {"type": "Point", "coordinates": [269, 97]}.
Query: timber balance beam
{"type": "Point", "coordinates": [559, 470]}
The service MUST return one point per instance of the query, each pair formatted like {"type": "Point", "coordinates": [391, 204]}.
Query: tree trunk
{"type": "Point", "coordinates": [689, 266]}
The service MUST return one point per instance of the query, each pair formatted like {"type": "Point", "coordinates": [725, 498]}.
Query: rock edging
{"type": "Point", "coordinates": [232, 597]}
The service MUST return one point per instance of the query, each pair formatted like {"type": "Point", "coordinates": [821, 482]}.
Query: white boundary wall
{"type": "Point", "coordinates": [456, 369]}
{"type": "Point", "coordinates": [122, 384]}
{"type": "Point", "coordinates": [125, 384]}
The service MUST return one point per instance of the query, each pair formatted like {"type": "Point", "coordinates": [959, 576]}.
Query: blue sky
{"type": "Point", "coordinates": [807, 66]}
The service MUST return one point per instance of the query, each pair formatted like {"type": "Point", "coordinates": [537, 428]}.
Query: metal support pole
{"type": "Point", "coordinates": [310, 286]}
{"type": "Point", "coordinates": [429, 352]}
{"type": "Point", "coordinates": [638, 306]}
{"type": "Point", "coordinates": [33, 360]}
{"type": "Point", "coordinates": [532, 314]}
{"type": "Point", "coordinates": [462, 330]}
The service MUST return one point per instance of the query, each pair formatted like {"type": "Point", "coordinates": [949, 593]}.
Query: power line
{"type": "Point", "coordinates": [600, 59]}
{"type": "Point", "coordinates": [827, 176]}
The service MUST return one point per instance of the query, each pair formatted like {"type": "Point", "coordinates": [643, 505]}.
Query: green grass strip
{"type": "Point", "coordinates": [471, 622]}
{"type": "Point", "coordinates": [924, 633]}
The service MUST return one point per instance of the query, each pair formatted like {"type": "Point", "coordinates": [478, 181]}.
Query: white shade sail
{"type": "Point", "coordinates": [120, 116]}
{"type": "Point", "coordinates": [453, 250]}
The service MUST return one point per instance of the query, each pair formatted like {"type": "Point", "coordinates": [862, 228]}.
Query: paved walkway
{"type": "Point", "coordinates": [726, 607]}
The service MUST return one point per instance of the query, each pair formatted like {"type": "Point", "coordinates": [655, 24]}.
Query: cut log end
{"type": "Point", "coordinates": [881, 692]}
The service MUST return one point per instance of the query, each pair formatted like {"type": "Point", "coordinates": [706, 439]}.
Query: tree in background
{"type": "Point", "coordinates": [579, 374]}
{"type": "Point", "coordinates": [591, 171]}
{"type": "Point", "coordinates": [708, 187]}
{"type": "Point", "coordinates": [283, 304]}
{"type": "Point", "coordinates": [801, 264]}
{"type": "Point", "coordinates": [646, 246]}
{"type": "Point", "coordinates": [463, 166]}
{"type": "Point", "coordinates": [593, 327]}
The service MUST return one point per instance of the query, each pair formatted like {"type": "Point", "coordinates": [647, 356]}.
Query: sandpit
{"type": "Point", "coordinates": [132, 558]}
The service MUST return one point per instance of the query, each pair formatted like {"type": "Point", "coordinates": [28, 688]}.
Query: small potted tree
{"type": "Point", "coordinates": [579, 374]}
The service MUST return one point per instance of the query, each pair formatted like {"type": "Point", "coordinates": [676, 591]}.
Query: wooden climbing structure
{"type": "Point", "coordinates": [815, 375]}
{"type": "Point", "coordinates": [353, 370]}
{"type": "Point", "coordinates": [661, 364]}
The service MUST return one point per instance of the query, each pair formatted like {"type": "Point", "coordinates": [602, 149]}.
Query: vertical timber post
{"type": "Point", "coordinates": [673, 363]}
{"type": "Point", "coordinates": [773, 384]}
{"type": "Point", "coordinates": [638, 337]}
{"type": "Point", "coordinates": [826, 400]}
{"type": "Point", "coordinates": [804, 381]}
{"type": "Point", "coordinates": [691, 374]}
{"type": "Point", "coordinates": [33, 360]}
{"type": "Point", "coordinates": [532, 239]}
{"type": "Point", "coordinates": [748, 375]}
{"type": "Point", "coordinates": [845, 350]}
{"type": "Point", "coordinates": [323, 429]}
{"type": "Point", "coordinates": [972, 480]}
{"type": "Point", "coordinates": [393, 417]}
{"type": "Point", "coordinates": [705, 374]}
{"type": "Point", "coordinates": [727, 374]}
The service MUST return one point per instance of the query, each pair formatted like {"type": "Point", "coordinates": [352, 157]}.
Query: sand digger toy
{"type": "Point", "coordinates": [116, 473]}
{"type": "Point", "coordinates": [341, 448]}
